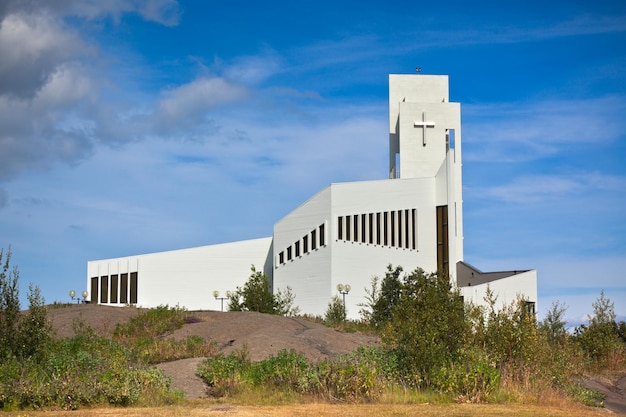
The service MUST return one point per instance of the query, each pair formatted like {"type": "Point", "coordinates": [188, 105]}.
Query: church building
{"type": "Point", "coordinates": [342, 236]}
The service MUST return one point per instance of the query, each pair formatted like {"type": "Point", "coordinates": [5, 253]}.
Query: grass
{"type": "Point", "coordinates": [221, 408]}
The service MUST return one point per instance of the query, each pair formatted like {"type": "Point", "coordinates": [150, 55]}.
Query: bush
{"type": "Point", "coordinates": [256, 295]}
{"type": "Point", "coordinates": [147, 336]}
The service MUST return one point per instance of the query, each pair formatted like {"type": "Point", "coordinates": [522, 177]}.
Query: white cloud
{"type": "Point", "coordinates": [531, 189]}
{"type": "Point", "coordinates": [32, 48]}
{"type": "Point", "coordinates": [532, 130]}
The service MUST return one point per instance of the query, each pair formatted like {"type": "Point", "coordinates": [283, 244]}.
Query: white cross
{"type": "Point", "coordinates": [424, 124]}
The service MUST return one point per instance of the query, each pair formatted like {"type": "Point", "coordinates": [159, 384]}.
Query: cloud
{"type": "Point", "coordinates": [166, 12]}
{"type": "Point", "coordinates": [193, 99]}
{"type": "Point", "coordinates": [44, 45]}
{"type": "Point", "coordinates": [531, 189]}
{"type": "Point", "coordinates": [515, 132]}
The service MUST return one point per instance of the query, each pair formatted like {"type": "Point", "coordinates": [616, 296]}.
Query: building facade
{"type": "Point", "coordinates": [345, 234]}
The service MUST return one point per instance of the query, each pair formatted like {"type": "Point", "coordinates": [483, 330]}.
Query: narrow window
{"type": "Point", "coordinates": [289, 253]}
{"type": "Point", "coordinates": [371, 228]}
{"type": "Point", "coordinates": [355, 218]}
{"type": "Point", "coordinates": [363, 224]}
{"type": "Point", "coordinates": [296, 245]}
{"type": "Point", "coordinates": [340, 227]}
{"type": "Point", "coordinates": [104, 289]}
{"type": "Point", "coordinates": [414, 228]}
{"type": "Point", "coordinates": [392, 217]}
{"type": "Point", "coordinates": [133, 287]}
{"type": "Point", "coordinates": [124, 289]}
{"type": "Point", "coordinates": [348, 227]}
{"type": "Point", "coordinates": [305, 244]}
{"type": "Point", "coordinates": [322, 235]}
{"type": "Point", "coordinates": [94, 290]}
{"type": "Point", "coordinates": [313, 239]}
{"type": "Point", "coordinates": [281, 258]}
{"type": "Point", "coordinates": [114, 285]}
{"type": "Point", "coordinates": [378, 225]}
{"type": "Point", "coordinates": [385, 229]}
{"type": "Point", "coordinates": [407, 225]}
{"type": "Point", "coordinates": [399, 228]}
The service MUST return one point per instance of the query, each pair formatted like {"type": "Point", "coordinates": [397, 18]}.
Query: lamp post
{"type": "Point", "coordinates": [72, 294]}
{"type": "Point", "coordinates": [343, 290]}
{"type": "Point", "coordinates": [216, 294]}
{"type": "Point", "coordinates": [85, 295]}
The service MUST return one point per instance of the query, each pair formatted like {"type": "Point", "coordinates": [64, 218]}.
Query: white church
{"type": "Point", "coordinates": [345, 234]}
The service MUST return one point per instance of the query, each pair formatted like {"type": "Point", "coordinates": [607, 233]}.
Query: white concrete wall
{"type": "Point", "coordinates": [188, 277]}
{"type": "Point", "coordinates": [506, 290]}
{"type": "Point", "coordinates": [314, 276]}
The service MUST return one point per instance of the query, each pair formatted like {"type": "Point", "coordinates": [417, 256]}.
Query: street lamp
{"type": "Point", "coordinates": [85, 295]}
{"type": "Point", "coordinates": [343, 290]}
{"type": "Point", "coordinates": [72, 294]}
{"type": "Point", "coordinates": [216, 294]}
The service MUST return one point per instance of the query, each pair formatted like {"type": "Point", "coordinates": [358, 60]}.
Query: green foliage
{"type": "Point", "coordinates": [426, 325]}
{"type": "Point", "coordinates": [335, 312]}
{"type": "Point", "coordinates": [600, 340]}
{"type": "Point", "coordinates": [9, 307]}
{"type": "Point", "coordinates": [383, 300]}
{"type": "Point", "coordinates": [359, 376]}
{"type": "Point", "coordinates": [147, 336]}
{"type": "Point", "coordinates": [81, 371]}
{"type": "Point", "coordinates": [553, 325]}
{"type": "Point", "coordinates": [256, 295]}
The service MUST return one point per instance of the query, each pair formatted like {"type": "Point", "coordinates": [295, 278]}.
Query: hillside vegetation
{"type": "Point", "coordinates": [433, 347]}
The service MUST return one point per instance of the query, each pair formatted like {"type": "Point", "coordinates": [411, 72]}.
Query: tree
{"type": "Point", "coordinates": [9, 305]}
{"type": "Point", "coordinates": [335, 312]}
{"type": "Point", "coordinates": [256, 295]}
{"type": "Point", "coordinates": [553, 325]}
{"type": "Point", "coordinates": [427, 323]}
{"type": "Point", "coordinates": [600, 340]}
{"type": "Point", "coordinates": [21, 336]}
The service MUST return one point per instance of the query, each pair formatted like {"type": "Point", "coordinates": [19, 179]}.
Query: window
{"type": "Point", "coordinates": [314, 240]}
{"type": "Point", "coordinates": [322, 235]}
{"type": "Point", "coordinates": [340, 228]}
{"type": "Point", "coordinates": [348, 223]}
{"type": "Point", "coordinates": [363, 224]}
{"type": "Point", "coordinates": [371, 227]}
{"type": "Point", "coordinates": [296, 245]}
{"type": "Point", "coordinates": [355, 218]}
{"type": "Point", "coordinates": [133, 288]}
{"type": "Point", "coordinates": [399, 228]}
{"type": "Point", "coordinates": [104, 289]}
{"type": "Point", "coordinates": [414, 228]}
{"type": "Point", "coordinates": [407, 223]}
{"type": "Point", "coordinates": [94, 289]}
{"type": "Point", "coordinates": [114, 284]}
{"type": "Point", "coordinates": [385, 229]}
{"type": "Point", "coordinates": [289, 253]}
{"type": "Point", "coordinates": [378, 228]}
{"type": "Point", "coordinates": [124, 289]}
{"type": "Point", "coordinates": [392, 219]}
{"type": "Point", "coordinates": [281, 258]}
{"type": "Point", "coordinates": [305, 244]}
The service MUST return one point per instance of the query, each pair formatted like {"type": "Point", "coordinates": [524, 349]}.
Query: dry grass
{"type": "Point", "coordinates": [212, 408]}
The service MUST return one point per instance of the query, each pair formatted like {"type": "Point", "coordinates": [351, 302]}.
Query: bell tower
{"type": "Point", "coordinates": [425, 142]}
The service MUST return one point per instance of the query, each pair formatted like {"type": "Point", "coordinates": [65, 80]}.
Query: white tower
{"type": "Point", "coordinates": [425, 142]}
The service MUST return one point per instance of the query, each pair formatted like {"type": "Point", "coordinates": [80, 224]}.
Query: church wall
{"type": "Point", "coordinates": [356, 262]}
{"type": "Point", "coordinates": [506, 289]}
{"type": "Point", "coordinates": [186, 277]}
{"type": "Point", "coordinates": [302, 253]}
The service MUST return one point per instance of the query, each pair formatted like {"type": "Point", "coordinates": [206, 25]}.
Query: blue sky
{"type": "Point", "coordinates": [129, 127]}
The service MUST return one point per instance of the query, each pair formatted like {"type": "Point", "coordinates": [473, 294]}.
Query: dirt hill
{"type": "Point", "coordinates": [262, 334]}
